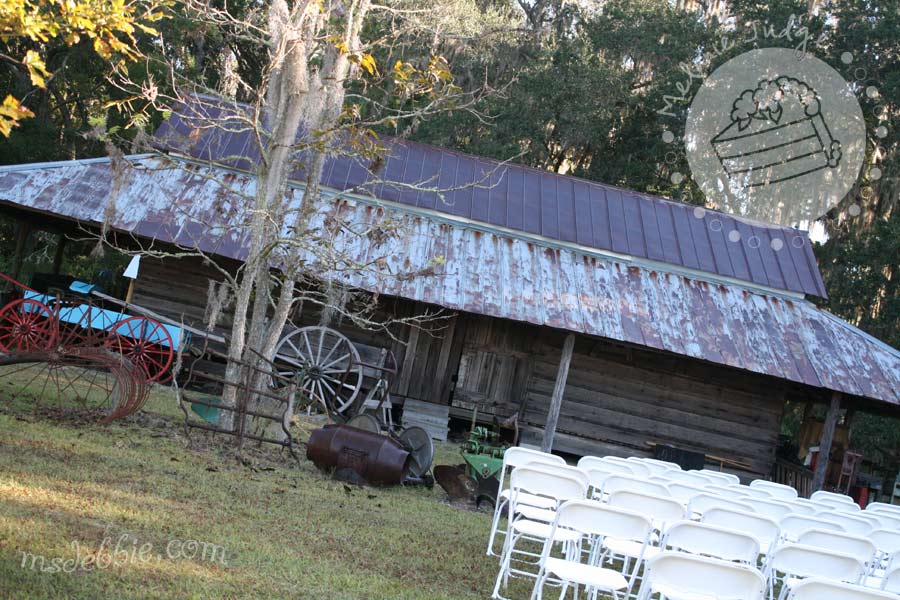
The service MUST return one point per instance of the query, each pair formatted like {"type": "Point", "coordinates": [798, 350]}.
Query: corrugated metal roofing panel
{"type": "Point", "coordinates": [552, 205]}
{"type": "Point", "coordinates": [488, 273]}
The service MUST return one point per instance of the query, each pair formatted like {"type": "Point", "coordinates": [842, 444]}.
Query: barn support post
{"type": "Point", "coordinates": [22, 235]}
{"type": "Point", "coordinates": [59, 253]}
{"type": "Point", "coordinates": [558, 390]}
{"type": "Point", "coordinates": [831, 419]}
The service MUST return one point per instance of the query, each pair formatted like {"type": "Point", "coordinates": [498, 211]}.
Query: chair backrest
{"type": "Point", "coordinates": [574, 472]}
{"type": "Point", "coordinates": [536, 481]}
{"type": "Point", "coordinates": [824, 496]}
{"type": "Point", "coordinates": [763, 529]}
{"type": "Point", "coordinates": [854, 545]}
{"type": "Point", "coordinates": [639, 467]}
{"type": "Point", "coordinates": [692, 477]}
{"type": "Point", "coordinates": [758, 492]}
{"type": "Point", "coordinates": [684, 491]}
{"type": "Point", "coordinates": [597, 477]}
{"type": "Point", "coordinates": [778, 490]}
{"type": "Point", "coordinates": [808, 561]}
{"type": "Point", "coordinates": [728, 491]}
{"type": "Point", "coordinates": [883, 507]}
{"type": "Point", "coordinates": [888, 520]}
{"type": "Point", "coordinates": [824, 589]}
{"type": "Point", "coordinates": [518, 456]}
{"type": "Point", "coordinates": [886, 540]}
{"type": "Point", "coordinates": [631, 483]}
{"type": "Point", "coordinates": [771, 508]}
{"type": "Point", "coordinates": [793, 526]}
{"type": "Point", "coordinates": [705, 577]}
{"type": "Point", "coordinates": [802, 508]}
{"type": "Point", "coordinates": [891, 581]}
{"type": "Point", "coordinates": [661, 510]}
{"type": "Point", "coordinates": [711, 540]}
{"type": "Point", "coordinates": [720, 477]}
{"type": "Point", "coordinates": [595, 519]}
{"type": "Point", "coordinates": [592, 462]}
{"type": "Point", "coordinates": [701, 503]}
{"type": "Point", "coordinates": [669, 466]}
{"type": "Point", "coordinates": [850, 523]}
{"type": "Point", "coordinates": [620, 466]}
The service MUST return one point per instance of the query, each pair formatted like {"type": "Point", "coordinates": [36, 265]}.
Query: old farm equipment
{"type": "Point", "coordinates": [67, 344]}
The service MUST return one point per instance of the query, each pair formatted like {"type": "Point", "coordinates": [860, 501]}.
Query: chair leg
{"type": "Point", "coordinates": [495, 524]}
{"type": "Point", "coordinates": [503, 573]}
{"type": "Point", "coordinates": [565, 589]}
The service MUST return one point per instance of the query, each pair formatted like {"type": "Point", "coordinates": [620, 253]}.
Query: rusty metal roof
{"type": "Point", "coordinates": [491, 273]}
{"type": "Point", "coordinates": [534, 201]}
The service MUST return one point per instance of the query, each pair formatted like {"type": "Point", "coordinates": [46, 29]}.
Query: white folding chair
{"type": "Point", "coordinates": [850, 523]}
{"type": "Point", "coordinates": [662, 465]}
{"type": "Point", "coordinates": [615, 483]}
{"type": "Point", "coordinates": [763, 529]}
{"type": "Point", "coordinates": [794, 526]}
{"type": "Point", "coordinates": [891, 581]}
{"type": "Point", "coordinates": [777, 490]}
{"type": "Point", "coordinates": [887, 542]}
{"type": "Point", "coordinates": [888, 520]}
{"type": "Point", "coordinates": [597, 477]}
{"type": "Point", "coordinates": [758, 492]}
{"type": "Point", "coordinates": [791, 563]}
{"type": "Point", "coordinates": [679, 576]}
{"type": "Point", "coordinates": [684, 491]}
{"type": "Point", "coordinates": [640, 468]}
{"type": "Point", "coordinates": [802, 507]}
{"type": "Point", "coordinates": [591, 520]}
{"type": "Point", "coordinates": [771, 508]}
{"type": "Point", "coordinates": [700, 503]}
{"type": "Point", "coordinates": [711, 540]}
{"type": "Point", "coordinates": [823, 589]}
{"type": "Point", "coordinates": [693, 478]}
{"type": "Point", "coordinates": [861, 548]}
{"type": "Point", "coordinates": [575, 472]}
{"type": "Point", "coordinates": [659, 509]}
{"type": "Point", "coordinates": [825, 496]}
{"type": "Point", "coordinates": [528, 522]}
{"type": "Point", "coordinates": [728, 491]}
{"type": "Point", "coordinates": [512, 458]}
{"type": "Point", "coordinates": [883, 507]}
{"type": "Point", "coordinates": [720, 477]}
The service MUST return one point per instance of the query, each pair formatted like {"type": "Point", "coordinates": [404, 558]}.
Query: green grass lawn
{"type": "Point", "coordinates": [70, 487]}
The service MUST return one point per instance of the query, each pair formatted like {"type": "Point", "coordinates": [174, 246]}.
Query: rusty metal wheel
{"type": "Point", "coordinates": [327, 364]}
{"type": "Point", "coordinates": [145, 342]}
{"type": "Point", "coordinates": [26, 326]}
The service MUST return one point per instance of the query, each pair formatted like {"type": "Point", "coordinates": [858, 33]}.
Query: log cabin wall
{"type": "Point", "coordinates": [619, 400]}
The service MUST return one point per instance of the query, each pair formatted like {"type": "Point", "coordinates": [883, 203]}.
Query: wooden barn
{"type": "Point", "coordinates": [611, 321]}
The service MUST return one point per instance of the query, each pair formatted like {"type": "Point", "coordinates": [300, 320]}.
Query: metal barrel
{"type": "Point", "coordinates": [376, 458]}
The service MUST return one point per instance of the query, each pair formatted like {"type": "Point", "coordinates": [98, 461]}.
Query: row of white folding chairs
{"type": "Point", "coordinates": [813, 556]}
{"type": "Point", "coordinates": [659, 509]}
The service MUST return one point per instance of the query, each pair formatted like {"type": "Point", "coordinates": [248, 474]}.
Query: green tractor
{"type": "Point", "coordinates": [478, 479]}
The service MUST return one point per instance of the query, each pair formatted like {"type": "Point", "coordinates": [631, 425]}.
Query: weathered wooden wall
{"type": "Point", "coordinates": [617, 399]}
{"type": "Point", "coordinates": [620, 400]}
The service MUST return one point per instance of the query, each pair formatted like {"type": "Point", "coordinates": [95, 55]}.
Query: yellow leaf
{"type": "Point", "coordinates": [368, 63]}
{"type": "Point", "coordinates": [10, 113]}
{"type": "Point", "coordinates": [36, 68]}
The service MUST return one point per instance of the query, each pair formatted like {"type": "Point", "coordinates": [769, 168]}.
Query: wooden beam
{"type": "Point", "coordinates": [831, 419]}
{"type": "Point", "coordinates": [556, 400]}
{"type": "Point", "coordinates": [22, 235]}
{"type": "Point", "coordinates": [59, 253]}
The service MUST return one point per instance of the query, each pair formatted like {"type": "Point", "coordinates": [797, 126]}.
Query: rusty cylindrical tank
{"type": "Point", "coordinates": [376, 458]}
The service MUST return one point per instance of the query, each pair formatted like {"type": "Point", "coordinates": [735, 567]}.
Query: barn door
{"type": "Point", "coordinates": [492, 378]}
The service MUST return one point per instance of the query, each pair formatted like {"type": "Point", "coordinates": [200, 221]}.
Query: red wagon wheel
{"type": "Point", "coordinates": [26, 326]}
{"type": "Point", "coordinates": [143, 341]}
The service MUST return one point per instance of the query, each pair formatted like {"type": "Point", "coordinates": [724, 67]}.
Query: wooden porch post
{"type": "Point", "coordinates": [22, 235]}
{"type": "Point", "coordinates": [831, 419]}
{"type": "Point", "coordinates": [558, 390]}
{"type": "Point", "coordinates": [58, 255]}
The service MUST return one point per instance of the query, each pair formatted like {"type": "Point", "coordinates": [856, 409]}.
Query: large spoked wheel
{"type": "Point", "coordinates": [26, 326]}
{"type": "Point", "coordinates": [145, 342]}
{"type": "Point", "coordinates": [327, 364]}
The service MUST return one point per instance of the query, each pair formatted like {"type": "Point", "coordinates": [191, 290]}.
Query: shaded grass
{"type": "Point", "coordinates": [287, 530]}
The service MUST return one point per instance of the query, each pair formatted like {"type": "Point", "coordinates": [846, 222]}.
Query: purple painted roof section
{"type": "Point", "coordinates": [535, 201]}
{"type": "Point", "coordinates": [487, 273]}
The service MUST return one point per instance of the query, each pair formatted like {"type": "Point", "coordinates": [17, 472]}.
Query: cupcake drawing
{"type": "Point", "coordinates": [777, 132]}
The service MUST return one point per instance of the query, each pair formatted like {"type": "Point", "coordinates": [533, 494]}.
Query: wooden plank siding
{"type": "Point", "coordinates": [629, 398]}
